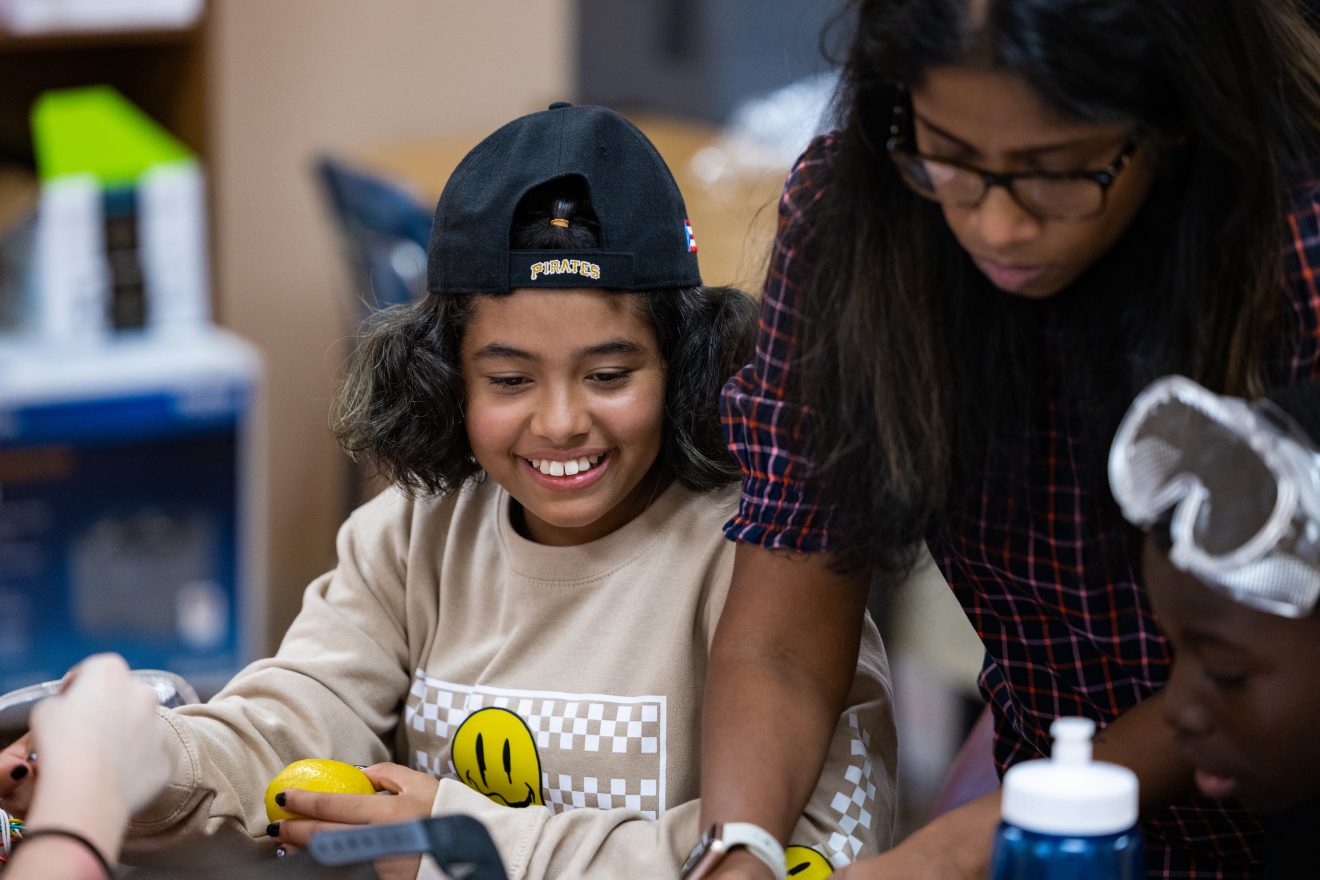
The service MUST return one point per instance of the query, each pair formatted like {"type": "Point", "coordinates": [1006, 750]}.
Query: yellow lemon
{"type": "Point", "coordinates": [315, 774]}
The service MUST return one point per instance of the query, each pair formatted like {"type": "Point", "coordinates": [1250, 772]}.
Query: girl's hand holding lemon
{"type": "Point", "coordinates": [321, 795]}
{"type": "Point", "coordinates": [315, 774]}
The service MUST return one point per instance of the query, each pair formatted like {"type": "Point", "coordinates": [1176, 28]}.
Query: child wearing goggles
{"type": "Point", "coordinates": [1228, 492]}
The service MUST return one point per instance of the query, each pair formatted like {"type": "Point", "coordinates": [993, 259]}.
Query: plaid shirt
{"type": "Point", "coordinates": [1067, 630]}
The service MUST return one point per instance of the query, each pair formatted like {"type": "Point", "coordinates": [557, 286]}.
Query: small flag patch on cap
{"type": "Point", "coordinates": [691, 239]}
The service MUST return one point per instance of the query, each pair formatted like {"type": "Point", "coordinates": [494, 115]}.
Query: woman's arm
{"type": "Point", "coordinates": [780, 669]}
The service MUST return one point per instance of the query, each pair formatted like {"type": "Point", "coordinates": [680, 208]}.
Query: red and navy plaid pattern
{"type": "Point", "coordinates": [1067, 628]}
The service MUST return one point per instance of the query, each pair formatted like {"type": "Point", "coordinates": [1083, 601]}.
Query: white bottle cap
{"type": "Point", "coordinates": [1069, 794]}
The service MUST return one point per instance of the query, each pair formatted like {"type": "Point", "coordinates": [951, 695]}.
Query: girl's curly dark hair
{"type": "Point", "coordinates": [401, 405]}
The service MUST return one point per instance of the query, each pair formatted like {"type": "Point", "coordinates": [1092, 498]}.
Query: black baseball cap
{"type": "Point", "coordinates": [646, 240]}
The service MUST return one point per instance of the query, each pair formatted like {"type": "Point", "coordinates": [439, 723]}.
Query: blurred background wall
{"type": "Point", "coordinates": [294, 79]}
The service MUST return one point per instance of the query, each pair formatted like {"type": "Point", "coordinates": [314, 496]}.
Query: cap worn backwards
{"type": "Point", "coordinates": [646, 242]}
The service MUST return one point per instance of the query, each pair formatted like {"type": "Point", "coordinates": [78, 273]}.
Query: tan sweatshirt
{"type": "Point", "coordinates": [564, 680]}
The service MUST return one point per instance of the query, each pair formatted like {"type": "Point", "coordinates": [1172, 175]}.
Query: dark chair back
{"type": "Point", "coordinates": [383, 230]}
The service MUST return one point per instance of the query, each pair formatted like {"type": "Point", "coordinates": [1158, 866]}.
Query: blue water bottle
{"type": "Point", "coordinates": [1068, 817]}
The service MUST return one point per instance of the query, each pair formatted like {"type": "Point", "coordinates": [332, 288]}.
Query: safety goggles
{"type": "Point", "coordinates": [1242, 483]}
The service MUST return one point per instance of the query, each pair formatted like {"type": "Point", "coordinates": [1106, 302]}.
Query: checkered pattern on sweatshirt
{"type": "Point", "coordinates": [855, 800]}
{"type": "Point", "coordinates": [621, 738]}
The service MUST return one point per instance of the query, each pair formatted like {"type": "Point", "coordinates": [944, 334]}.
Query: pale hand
{"type": "Point", "coordinates": [100, 756]}
{"type": "Point", "coordinates": [102, 727]}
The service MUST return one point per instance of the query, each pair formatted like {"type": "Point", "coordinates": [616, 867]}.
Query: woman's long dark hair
{"type": "Point", "coordinates": [918, 372]}
{"type": "Point", "coordinates": [401, 404]}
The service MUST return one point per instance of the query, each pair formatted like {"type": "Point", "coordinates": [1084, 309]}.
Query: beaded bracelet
{"type": "Point", "coordinates": [32, 833]}
{"type": "Point", "coordinates": [11, 831]}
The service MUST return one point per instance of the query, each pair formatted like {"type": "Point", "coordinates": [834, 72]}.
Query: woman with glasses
{"type": "Point", "coordinates": [1030, 209]}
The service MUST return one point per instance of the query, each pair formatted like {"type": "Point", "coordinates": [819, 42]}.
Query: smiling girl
{"type": "Point", "coordinates": [523, 619]}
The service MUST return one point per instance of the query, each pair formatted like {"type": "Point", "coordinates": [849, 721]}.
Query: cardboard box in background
{"type": "Point", "coordinates": [131, 515]}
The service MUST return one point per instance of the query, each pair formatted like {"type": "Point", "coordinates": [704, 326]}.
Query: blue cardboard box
{"type": "Point", "coordinates": [130, 507]}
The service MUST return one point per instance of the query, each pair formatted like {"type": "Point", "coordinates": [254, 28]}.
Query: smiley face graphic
{"type": "Point", "coordinates": [495, 754]}
{"type": "Point", "coordinates": [805, 863]}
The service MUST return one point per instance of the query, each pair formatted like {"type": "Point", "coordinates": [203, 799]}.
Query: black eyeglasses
{"type": "Point", "coordinates": [1053, 195]}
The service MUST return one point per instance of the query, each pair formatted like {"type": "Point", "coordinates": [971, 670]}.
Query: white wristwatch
{"type": "Point", "coordinates": [719, 839]}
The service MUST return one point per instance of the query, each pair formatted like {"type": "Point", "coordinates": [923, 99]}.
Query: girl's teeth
{"type": "Point", "coordinates": [565, 468]}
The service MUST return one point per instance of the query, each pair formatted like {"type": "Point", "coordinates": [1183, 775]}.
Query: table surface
{"type": "Point", "coordinates": [732, 219]}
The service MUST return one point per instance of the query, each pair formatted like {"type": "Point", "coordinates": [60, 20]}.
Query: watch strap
{"type": "Point", "coordinates": [365, 843]}
{"type": "Point", "coordinates": [453, 841]}
{"type": "Point", "coordinates": [757, 841]}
